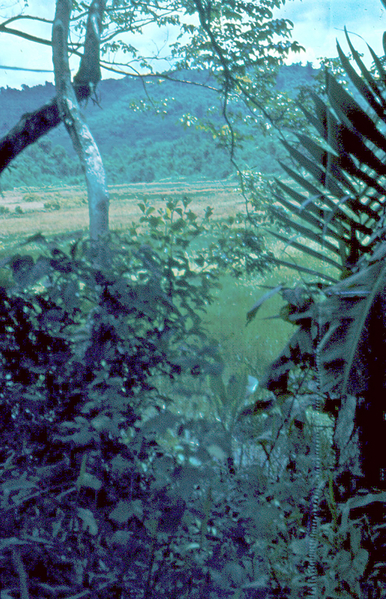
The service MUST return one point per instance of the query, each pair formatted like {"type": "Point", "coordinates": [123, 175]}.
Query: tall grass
{"type": "Point", "coordinates": [256, 344]}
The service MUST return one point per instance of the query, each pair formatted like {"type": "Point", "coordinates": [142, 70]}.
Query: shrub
{"type": "Point", "coordinates": [52, 206]}
{"type": "Point", "coordinates": [31, 197]}
{"type": "Point", "coordinates": [107, 488]}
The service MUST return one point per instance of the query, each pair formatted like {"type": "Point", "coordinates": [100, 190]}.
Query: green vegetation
{"type": "Point", "coordinates": [335, 213]}
{"type": "Point", "coordinates": [144, 140]}
{"type": "Point", "coordinates": [149, 400]}
{"type": "Point", "coordinates": [105, 371]}
{"type": "Point", "coordinates": [152, 448]}
{"type": "Point", "coordinates": [156, 443]}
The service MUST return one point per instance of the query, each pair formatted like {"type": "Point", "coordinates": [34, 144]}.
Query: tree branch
{"type": "Point", "coordinates": [25, 17]}
{"type": "Point", "coordinates": [28, 130]}
{"type": "Point", "coordinates": [26, 36]}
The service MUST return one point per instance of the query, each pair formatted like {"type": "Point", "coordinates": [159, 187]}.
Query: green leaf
{"type": "Point", "coordinates": [358, 82]}
{"type": "Point", "coordinates": [88, 519]}
{"type": "Point", "coordinates": [37, 238]}
{"type": "Point", "coordinates": [218, 388]}
{"type": "Point", "coordinates": [344, 141]}
{"type": "Point", "coordinates": [377, 62]}
{"type": "Point", "coordinates": [122, 512]}
{"type": "Point", "coordinates": [324, 178]}
{"type": "Point", "coordinates": [121, 537]}
{"type": "Point", "coordinates": [299, 269]}
{"type": "Point", "coordinates": [259, 583]}
{"type": "Point", "coordinates": [315, 222]}
{"type": "Point", "coordinates": [304, 231]}
{"type": "Point", "coordinates": [253, 311]}
{"type": "Point", "coordinates": [331, 163]}
{"type": "Point", "coordinates": [335, 165]}
{"type": "Point", "coordinates": [360, 562]}
{"type": "Point", "coordinates": [307, 250]}
{"type": "Point", "coordinates": [158, 425]}
{"type": "Point", "coordinates": [120, 465]}
{"type": "Point", "coordinates": [355, 540]}
{"type": "Point", "coordinates": [319, 216]}
{"type": "Point", "coordinates": [237, 387]}
{"type": "Point", "coordinates": [88, 480]}
{"type": "Point", "coordinates": [215, 451]}
{"type": "Point", "coordinates": [351, 113]}
{"type": "Point", "coordinates": [70, 296]}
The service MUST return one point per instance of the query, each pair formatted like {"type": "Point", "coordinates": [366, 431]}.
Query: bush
{"type": "Point", "coordinates": [77, 360]}
{"type": "Point", "coordinates": [52, 206]}
{"type": "Point", "coordinates": [108, 487]}
{"type": "Point", "coordinates": [31, 197]}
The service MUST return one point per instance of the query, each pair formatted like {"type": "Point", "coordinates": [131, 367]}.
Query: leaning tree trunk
{"type": "Point", "coordinates": [69, 111]}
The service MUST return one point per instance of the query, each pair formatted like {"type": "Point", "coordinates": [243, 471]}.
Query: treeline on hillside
{"type": "Point", "coordinates": [139, 130]}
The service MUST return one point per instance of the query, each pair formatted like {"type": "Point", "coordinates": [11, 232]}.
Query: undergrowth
{"type": "Point", "coordinates": [113, 484]}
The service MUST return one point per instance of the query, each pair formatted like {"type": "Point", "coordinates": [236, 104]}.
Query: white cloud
{"type": "Point", "coordinates": [319, 23]}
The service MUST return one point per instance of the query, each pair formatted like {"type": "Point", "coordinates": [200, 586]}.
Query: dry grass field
{"type": "Point", "coordinates": [57, 210]}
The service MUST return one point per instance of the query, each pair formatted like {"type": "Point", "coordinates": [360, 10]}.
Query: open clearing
{"type": "Point", "coordinates": [56, 210]}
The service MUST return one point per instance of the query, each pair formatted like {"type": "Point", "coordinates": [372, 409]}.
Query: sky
{"type": "Point", "coordinates": [317, 25]}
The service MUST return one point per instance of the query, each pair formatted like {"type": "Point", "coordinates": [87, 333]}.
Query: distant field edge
{"type": "Point", "coordinates": [61, 209]}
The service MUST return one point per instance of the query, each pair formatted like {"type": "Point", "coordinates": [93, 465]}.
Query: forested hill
{"type": "Point", "coordinates": [140, 137]}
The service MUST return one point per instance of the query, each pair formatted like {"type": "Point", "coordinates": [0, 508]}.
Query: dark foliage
{"type": "Point", "coordinates": [106, 489]}
{"type": "Point", "coordinates": [336, 207]}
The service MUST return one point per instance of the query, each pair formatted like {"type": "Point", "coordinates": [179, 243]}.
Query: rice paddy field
{"type": "Point", "coordinates": [56, 210]}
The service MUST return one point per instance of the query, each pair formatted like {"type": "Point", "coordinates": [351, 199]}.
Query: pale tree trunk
{"type": "Point", "coordinates": [70, 113]}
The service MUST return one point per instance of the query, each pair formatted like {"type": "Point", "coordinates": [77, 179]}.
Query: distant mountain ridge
{"type": "Point", "coordinates": [137, 145]}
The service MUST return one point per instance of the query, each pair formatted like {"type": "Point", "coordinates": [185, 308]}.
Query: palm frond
{"type": "Point", "coordinates": [340, 207]}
